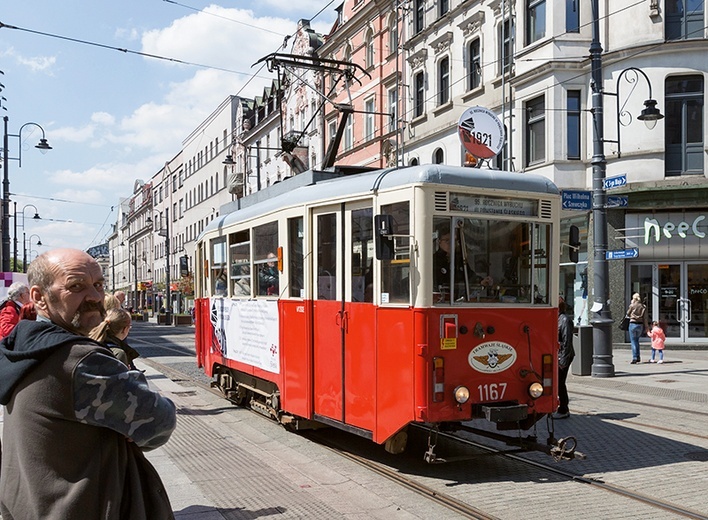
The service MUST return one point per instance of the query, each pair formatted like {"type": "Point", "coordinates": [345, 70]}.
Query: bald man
{"type": "Point", "coordinates": [76, 418]}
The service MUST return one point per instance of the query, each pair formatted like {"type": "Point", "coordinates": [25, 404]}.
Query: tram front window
{"type": "Point", "coordinates": [493, 261]}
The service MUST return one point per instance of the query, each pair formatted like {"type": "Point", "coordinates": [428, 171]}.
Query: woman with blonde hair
{"type": "Point", "coordinates": [112, 332]}
{"type": "Point", "coordinates": [637, 314]}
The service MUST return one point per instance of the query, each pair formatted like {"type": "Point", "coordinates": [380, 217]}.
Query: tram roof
{"type": "Point", "coordinates": [312, 186]}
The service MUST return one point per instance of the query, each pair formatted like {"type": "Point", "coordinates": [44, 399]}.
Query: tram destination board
{"type": "Point", "coordinates": [620, 254]}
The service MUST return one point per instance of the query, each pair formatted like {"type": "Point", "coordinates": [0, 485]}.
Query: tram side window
{"type": "Point", "coordinates": [218, 267]}
{"type": "Point", "coordinates": [362, 280]}
{"type": "Point", "coordinates": [327, 257]}
{"type": "Point", "coordinates": [395, 275]}
{"type": "Point", "coordinates": [240, 263]}
{"type": "Point", "coordinates": [265, 259]}
{"type": "Point", "coordinates": [296, 268]}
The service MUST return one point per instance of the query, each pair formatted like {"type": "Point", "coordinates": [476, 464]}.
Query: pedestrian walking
{"type": "Point", "coordinates": [658, 338]}
{"type": "Point", "coordinates": [637, 314]}
{"type": "Point", "coordinates": [76, 419]}
{"type": "Point", "coordinates": [566, 353]}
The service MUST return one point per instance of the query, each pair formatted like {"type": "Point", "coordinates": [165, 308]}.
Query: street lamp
{"type": "Point", "coordinates": [36, 217]}
{"type": "Point", "coordinates": [24, 248]}
{"type": "Point", "coordinates": [602, 322]}
{"type": "Point", "coordinates": [649, 114]}
{"type": "Point", "coordinates": [166, 233]}
{"type": "Point", "coordinates": [43, 147]}
{"type": "Point", "coordinates": [229, 161]}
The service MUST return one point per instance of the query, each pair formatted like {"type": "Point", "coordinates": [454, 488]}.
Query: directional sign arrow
{"type": "Point", "coordinates": [615, 201]}
{"type": "Point", "coordinates": [620, 254]}
{"type": "Point", "coordinates": [615, 182]}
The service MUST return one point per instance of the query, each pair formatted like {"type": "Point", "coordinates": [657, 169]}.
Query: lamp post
{"type": "Point", "coordinates": [166, 231]}
{"type": "Point", "coordinates": [36, 217]}
{"type": "Point", "coordinates": [43, 146]}
{"type": "Point", "coordinates": [602, 321]}
{"type": "Point", "coordinates": [135, 273]}
{"type": "Point", "coordinates": [24, 246]}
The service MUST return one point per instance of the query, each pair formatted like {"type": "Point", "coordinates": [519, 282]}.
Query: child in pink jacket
{"type": "Point", "coordinates": [657, 341]}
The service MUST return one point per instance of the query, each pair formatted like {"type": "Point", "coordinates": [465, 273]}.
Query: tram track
{"type": "Point", "coordinates": [596, 483]}
{"type": "Point", "coordinates": [653, 406]}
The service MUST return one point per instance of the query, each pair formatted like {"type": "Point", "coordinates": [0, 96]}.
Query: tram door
{"type": "Point", "coordinates": [343, 314]}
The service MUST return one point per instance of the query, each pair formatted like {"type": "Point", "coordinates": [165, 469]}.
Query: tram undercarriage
{"type": "Point", "coordinates": [264, 397]}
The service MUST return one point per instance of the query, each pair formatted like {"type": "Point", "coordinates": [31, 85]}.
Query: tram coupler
{"type": "Point", "coordinates": [429, 455]}
{"type": "Point", "coordinates": [564, 449]}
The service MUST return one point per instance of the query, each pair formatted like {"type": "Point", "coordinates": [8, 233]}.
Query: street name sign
{"type": "Point", "coordinates": [620, 254]}
{"type": "Point", "coordinates": [615, 182]}
{"type": "Point", "coordinates": [577, 200]}
{"type": "Point", "coordinates": [615, 201]}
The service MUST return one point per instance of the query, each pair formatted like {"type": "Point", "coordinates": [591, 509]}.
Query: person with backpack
{"type": "Point", "coordinates": [17, 296]}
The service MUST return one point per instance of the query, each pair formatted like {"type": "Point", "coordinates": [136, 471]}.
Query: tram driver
{"type": "Point", "coordinates": [441, 267]}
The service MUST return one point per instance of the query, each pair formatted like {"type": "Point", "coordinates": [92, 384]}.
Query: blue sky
{"type": "Point", "coordinates": [113, 117]}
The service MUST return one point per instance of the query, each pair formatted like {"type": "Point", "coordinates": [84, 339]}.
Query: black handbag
{"type": "Point", "coordinates": [624, 324]}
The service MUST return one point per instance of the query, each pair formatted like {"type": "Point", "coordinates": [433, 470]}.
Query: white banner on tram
{"type": "Point", "coordinates": [250, 332]}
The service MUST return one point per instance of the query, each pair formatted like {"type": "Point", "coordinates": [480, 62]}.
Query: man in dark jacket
{"type": "Point", "coordinates": [566, 353]}
{"type": "Point", "coordinates": [76, 419]}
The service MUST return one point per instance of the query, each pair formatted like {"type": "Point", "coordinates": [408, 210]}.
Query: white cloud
{"type": "Point", "coordinates": [103, 118]}
{"type": "Point", "coordinates": [34, 63]}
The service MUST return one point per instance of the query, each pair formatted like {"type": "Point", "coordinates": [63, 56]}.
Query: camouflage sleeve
{"type": "Point", "coordinates": [108, 395]}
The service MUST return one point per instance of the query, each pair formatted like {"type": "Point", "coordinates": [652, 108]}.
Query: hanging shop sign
{"type": "Point", "coordinates": [481, 132]}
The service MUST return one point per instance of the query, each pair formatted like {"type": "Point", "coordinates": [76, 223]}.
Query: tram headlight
{"type": "Point", "coordinates": [462, 394]}
{"type": "Point", "coordinates": [536, 390]}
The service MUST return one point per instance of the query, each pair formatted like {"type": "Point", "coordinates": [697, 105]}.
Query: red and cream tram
{"type": "Point", "coordinates": [322, 299]}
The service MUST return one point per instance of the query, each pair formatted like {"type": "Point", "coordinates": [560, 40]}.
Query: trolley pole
{"type": "Point", "coordinates": [602, 319]}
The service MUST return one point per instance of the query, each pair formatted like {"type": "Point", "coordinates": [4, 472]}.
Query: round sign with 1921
{"type": "Point", "coordinates": [481, 132]}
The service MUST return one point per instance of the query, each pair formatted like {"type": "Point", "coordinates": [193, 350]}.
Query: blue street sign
{"type": "Point", "coordinates": [577, 200]}
{"type": "Point", "coordinates": [615, 182]}
{"type": "Point", "coordinates": [614, 201]}
{"type": "Point", "coordinates": [620, 254]}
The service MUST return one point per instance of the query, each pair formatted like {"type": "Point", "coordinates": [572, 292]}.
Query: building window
{"type": "Point", "coordinates": [438, 156]}
{"type": "Point", "coordinates": [684, 19]}
{"type": "Point", "coordinates": [535, 20]}
{"type": "Point", "coordinates": [684, 125]}
{"type": "Point", "coordinates": [393, 109]}
{"type": "Point", "coordinates": [474, 65]}
{"type": "Point", "coordinates": [535, 131]}
{"type": "Point", "coordinates": [393, 34]}
{"type": "Point", "coordinates": [572, 16]}
{"type": "Point", "coordinates": [349, 133]}
{"type": "Point", "coordinates": [419, 16]}
{"type": "Point", "coordinates": [506, 40]}
{"type": "Point", "coordinates": [369, 43]}
{"type": "Point", "coordinates": [369, 121]}
{"type": "Point", "coordinates": [443, 7]}
{"type": "Point", "coordinates": [444, 81]}
{"type": "Point", "coordinates": [419, 106]}
{"type": "Point", "coordinates": [573, 120]}
{"type": "Point", "coordinates": [413, 162]}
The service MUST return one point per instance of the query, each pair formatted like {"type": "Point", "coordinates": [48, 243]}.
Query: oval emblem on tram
{"type": "Point", "coordinates": [492, 357]}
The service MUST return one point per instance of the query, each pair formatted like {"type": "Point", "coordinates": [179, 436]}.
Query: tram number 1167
{"type": "Point", "coordinates": [492, 392]}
